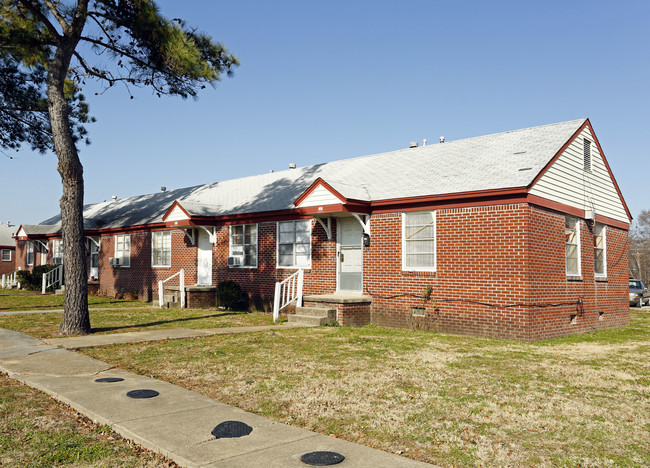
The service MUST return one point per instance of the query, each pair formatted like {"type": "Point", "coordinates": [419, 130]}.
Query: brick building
{"type": "Point", "coordinates": [7, 248]}
{"type": "Point", "coordinates": [519, 235]}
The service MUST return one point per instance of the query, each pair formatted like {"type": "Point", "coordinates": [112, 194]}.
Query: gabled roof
{"type": "Point", "coordinates": [506, 160]}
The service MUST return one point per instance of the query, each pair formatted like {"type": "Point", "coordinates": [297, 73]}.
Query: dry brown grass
{"type": "Point", "coordinates": [453, 401]}
{"type": "Point", "coordinates": [37, 431]}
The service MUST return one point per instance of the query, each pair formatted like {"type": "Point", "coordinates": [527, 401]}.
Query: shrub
{"type": "Point", "coordinates": [33, 281]}
{"type": "Point", "coordinates": [228, 293]}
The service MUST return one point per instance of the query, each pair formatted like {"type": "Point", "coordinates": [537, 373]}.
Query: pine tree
{"type": "Point", "coordinates": [44, 69]}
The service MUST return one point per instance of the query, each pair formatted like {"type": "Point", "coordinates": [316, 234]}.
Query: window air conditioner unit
{"type": "Point", "coordinates": [235, 261]}
{"type": "Point", "coordinates": [115, 261]}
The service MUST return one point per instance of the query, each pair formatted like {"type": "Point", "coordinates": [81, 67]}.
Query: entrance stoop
{"type": "Point", "coordinates": [352, 309]}
{"type": "Point", "coordinates": [315, 316]}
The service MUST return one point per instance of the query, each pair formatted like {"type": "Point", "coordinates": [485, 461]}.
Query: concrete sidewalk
{"type": "Point", "coordinates": [90, 341]}
{"type": "Point", "coordinates": [177, 423]}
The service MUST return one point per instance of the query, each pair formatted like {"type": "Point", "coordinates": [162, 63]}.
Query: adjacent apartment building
{"type": "Point", "coordinates": [7, 248]}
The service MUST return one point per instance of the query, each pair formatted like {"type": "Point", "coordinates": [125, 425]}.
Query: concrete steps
{"type": "Point", "coordinates": [171, 301]}
{"type": "Point", "coordinates": [60, 291]}
{"type": "Point", "coordinates": [315, 316]}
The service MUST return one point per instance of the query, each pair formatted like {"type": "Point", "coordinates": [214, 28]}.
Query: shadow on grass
{"type": "Point", "coordinates": [135, 305]}
{"type": "Point", "coordinates": [164, 322]}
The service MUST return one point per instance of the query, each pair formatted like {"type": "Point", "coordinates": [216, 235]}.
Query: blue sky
{"type": "Point", "coordinates": [330, 80]}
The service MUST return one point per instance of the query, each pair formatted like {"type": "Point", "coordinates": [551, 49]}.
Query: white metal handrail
{"type": "Point", "coordinates": [9, 280]}
{"type": "Point", "coordinates": [52, 278]}
{"type": "Point", "coordinates": [161, 288]}
{"type": "Point", "coordinates": [288, 291]}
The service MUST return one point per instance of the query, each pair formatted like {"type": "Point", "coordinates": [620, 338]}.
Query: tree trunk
{"type": "Point", "coordinates": [76, 318]}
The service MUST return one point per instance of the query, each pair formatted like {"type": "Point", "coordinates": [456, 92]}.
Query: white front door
{"type": "Point", "coordinates": [204, 259]}
{"type": "Point", "coordinates": [350, 261]}
{"type": "Point", "coordinates": [94, 260]}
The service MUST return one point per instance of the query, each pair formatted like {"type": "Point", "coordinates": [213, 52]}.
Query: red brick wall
{"type": "Point", "coordinates": [259, 283]}
{"type": "Point", "coordinates": [497, 267]}
{"type": "Point", "coordinates": [21, 254]}
{"type": "Point", "coordinates": [481, 257]}
{"type": "Point", "coordinates": [549, 283]}
{"type": "Point", "coordinates": [501, 255]}
{"type": "Point", "coordinates": [10, 266]}
{"type": "Point", "coordinates": [141, 277]}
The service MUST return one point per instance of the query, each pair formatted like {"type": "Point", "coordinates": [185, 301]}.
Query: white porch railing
{"type": "Point", "coordinates": [8, 281]}
{"type": "Point", "coordinates": [52, 278]}
{"type": "Point", "coordinates": [288, 291]}
{"type": "Point", "coordinates": [181, 282]}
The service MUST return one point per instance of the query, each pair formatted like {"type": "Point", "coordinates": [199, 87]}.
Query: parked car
{"type": "Point", "coordinates": [639, 293]}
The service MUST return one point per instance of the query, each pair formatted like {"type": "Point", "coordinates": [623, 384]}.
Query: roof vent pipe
{"type": "Point", "coordinates": [292, 165]}
{"type": "Point", "coordinates": [163, 189]}
{"type": "Point", "coordinates": [424, 142]}
{"type": "Point", "coordinates": [442, 139]}
{"type": "Point", "coordinates": [413, 144]}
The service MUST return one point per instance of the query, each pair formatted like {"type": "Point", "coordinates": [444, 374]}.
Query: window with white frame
{"type": "Point", "coordinates": [419, 241]}
{"type": "Point", "coordinates": [123, 249]}
{"type": "Point", "coordinates": [57, 251]}
{"type": "Point", "coordinates": [572, 243]}
{"type": "Point", "coordinates": [243, 244]}
{"type": "Point", "coordinates": [600, 252]}
{"type": "Point", "coordinates": [161, 248]}
{"type": "Point", "coordinates": [6, 255]}
{"type": "Point", "coordinates": [30, 253]}
{"type": "Point", "coordinates": [294, 243]}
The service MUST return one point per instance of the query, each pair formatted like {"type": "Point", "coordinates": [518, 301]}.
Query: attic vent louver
{"type": "Point", "coordinates": [587, 155]}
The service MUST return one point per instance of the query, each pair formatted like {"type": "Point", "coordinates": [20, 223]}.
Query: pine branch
{"type": "Point", "coordinates": [56, 14]}
{"type": "Point", "coordinates": [42, 18]}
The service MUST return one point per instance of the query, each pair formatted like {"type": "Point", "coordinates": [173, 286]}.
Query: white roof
{"type": "Point", "coordinates": [503, 160]}
{"type": "Point", "coordinates": [6, 235]}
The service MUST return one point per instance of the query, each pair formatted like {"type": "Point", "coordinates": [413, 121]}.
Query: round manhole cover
{"type": "Point", "coordinates": [143, 393]}
{"type": "Point", "coordinates": [231, 429]}
{"type": "Point", "coordinates": [322, 458]}
{"type": "Point", "coordinates": [109, 379]}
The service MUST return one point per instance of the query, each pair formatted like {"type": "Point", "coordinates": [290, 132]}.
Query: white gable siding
{"type": "Point", "coordinates": [320, 196]}
{"type": "Point", "coordinates": [176, 215]}
{"type": "Point", "coordinates": [567, 182]}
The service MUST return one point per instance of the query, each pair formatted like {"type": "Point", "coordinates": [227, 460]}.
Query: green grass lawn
{"type": "Point", "coordinates": [18, 300]}
{"type": "Point", "coordinates": [582, 400]}
{"type": "Point", "coordinates": [37, 431]}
